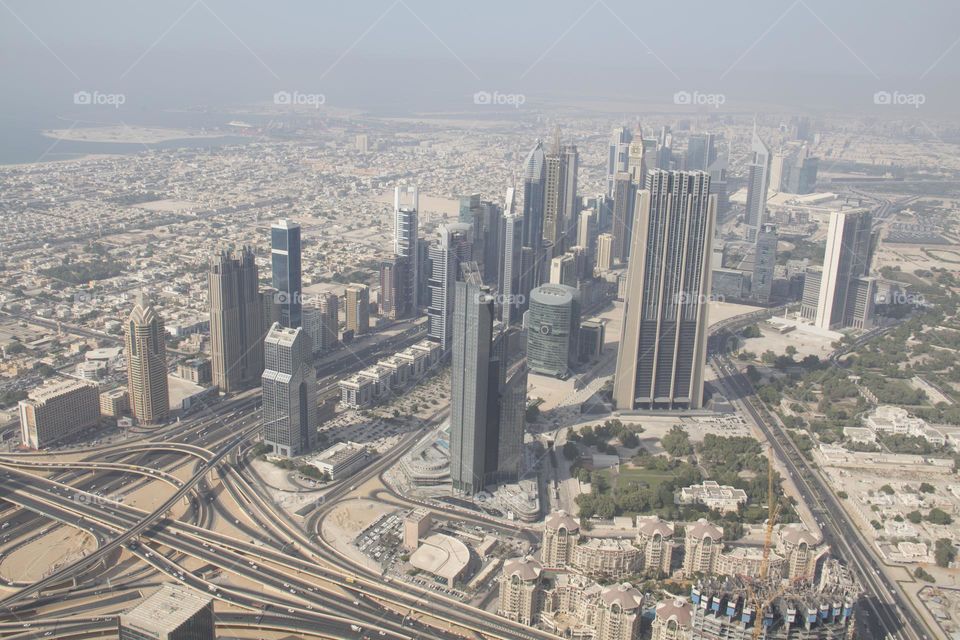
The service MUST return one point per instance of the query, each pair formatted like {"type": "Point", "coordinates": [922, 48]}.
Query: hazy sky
{"type": "Point", "coordinates": [426, 54]}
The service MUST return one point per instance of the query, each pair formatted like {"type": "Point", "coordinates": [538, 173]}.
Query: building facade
{"type": "Point", "coordinates": [289, 392]}
{"type": "Point", "coordinates": [662, 354]}
{"type": "Point", "coordinates": [553, 323]}
{"type": "Point", "coordinates": [146, 353]}
{"type": "Point", "coordinates": [285, 250]}
{"type": "Point", "coordinates": [236, 321]}
{"type": "Point", "coordinates": [58, 410]}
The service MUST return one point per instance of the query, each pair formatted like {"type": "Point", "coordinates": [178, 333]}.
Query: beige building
{"type": "Point", "coordinates": [146, 354]}
{"type": "Point", "coordinates": [800, 550]}
{"type": "Point", "coordinates": [415, 526]}
{"type": "Point", "coordinates": [114, 403]}
{"type": "Point", "coordinates": [358, 308]}
{"type": "Point", "coordinates": [655, 543]}
{"type": "Point", "coordinates": [560, 535]}
{"type": "Point", "coordinates": [713, 495]}
{"type": "Point", "coordinates": [672, 620]}
{"type": "Point", "coordinates": [747, 561]}
{"type": "Point", "coordinates": [702, 545]}
{"type": "Point", "coordinates": [610, 558]}
{"type": "Point", "coordinates": [618, 612]}
{"type": "Point", "coordinates": [604, 261]}
{"type": "Point", "coordinates": [521, 591]}
{"type": "Point", "coordinates": [58, 410]}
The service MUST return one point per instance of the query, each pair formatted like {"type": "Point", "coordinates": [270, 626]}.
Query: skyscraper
{"type": "Point", "coordinates": [146, 354]}
{"type": "Point", "coordinates": [487, 397]}
{"type": "Point", "coordinates": [563, 270]}
{"type": "Point", "coordinates": [553, 322]}
{"type": "Point", "coordinates": [236, 321]}
{"type": "Point", "coordinates": [508, 283]}
{"type": "Point", "coordinates": [624, 195]}
{"type": "Point", "coordinates": [393, 281]}
{"type": "Point", "coordinates": [758, 183]}
{"type": "Point", "coordinates": [553, 194]}
{"type": "Point", "coordinates": [605, 248]}
{"type": "Point", "coordinates": [472, 325]}
{"type": "Point", "coordinates": [285, 260]}
{"type": "Point", "coordinates": [764, 262]}
{"type": "Point", "coordinates": [329, 305]}
{"type": "Point", "coordinates": [406, 244]}
{"type": "Point", "coordinates": [171, 613]}
{"type": "Point", "coordinates": [571, 202]}
{"type": "Point", "coordinates": [701, 151]}
{"type": "Point", "coordinates": [620, 141]}
{"type": "Point", "coordinates": [847, 258]}
{"type": "Point", "coordinates": [662, 351]}
{"type": "Point", "coordinates": [452, 248]}
{"type": "Point", "coordinates": [587, 231]}
{"type": "Point", "coordinates": [534, 176]}
{"type": "Point", "coordinates": [289, 392]}
{"type": "Point", "coordinates": [357, 300]}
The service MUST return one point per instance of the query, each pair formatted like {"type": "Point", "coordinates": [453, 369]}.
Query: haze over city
{"type": "Point", "coordinates": [406, 319]}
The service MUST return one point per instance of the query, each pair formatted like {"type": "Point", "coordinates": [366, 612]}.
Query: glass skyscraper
{"type": "Point", "coordinates": [285, 261]}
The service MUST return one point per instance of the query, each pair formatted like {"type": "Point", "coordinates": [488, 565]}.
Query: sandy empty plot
{"type": "Point", "coordinates": [59, 547]}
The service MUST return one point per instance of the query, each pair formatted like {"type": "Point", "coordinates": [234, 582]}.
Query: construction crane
{"type": "Point", "coordinates": [764, 595]}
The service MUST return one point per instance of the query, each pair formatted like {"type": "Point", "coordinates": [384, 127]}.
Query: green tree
{"type": "Point", "coordinates": [677, 442]}
{"type": "Point", "coordinates": [944, 552]}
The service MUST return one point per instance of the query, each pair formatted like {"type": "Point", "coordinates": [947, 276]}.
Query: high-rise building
{"type": "Point", "coordinates": [605, 248]}
{"type": "Point", "coordinates": [521, 593]}
{"type": "Point", "coordinates": [847, 257]}
{"type": "Point", "coordinates": [758, 183]}
{"type": "Point", "coordinates": [289, 392]}
{"type": "Point", "coordinates": [671, 620]}
{"type": "Point", "coordinates": [512, 296]}
{"type": "Point", "coordinates": [146, 353]}
{"type": "Point", "coordinates": [662, 352]}
{"type": "Point", "coordinates": [357, 301]}
{"type": "Point", "coordinates": [472, 325]}
{"type": "Point", "coordinates": [553, 194]}
{"type": "Point", "coordinates": [618, 613]}
{"type": "Point", "coordinates": [329, 305]}
{"type": "Point", "coordinates": [587, 231]}
{"type": "Point", "coordinates": [701, 151]}
{"type": "Point", "coordinates": [58, 410]}
{"type": "Point", "coordinates": [488, 394]}
{"type": "Point", "coordinates": [811, 292]}
{"type": "Point", "coordinates": [453, 247]}
{"type": "Point", "coordinates": [534, 177]}
{"type": "Point", "coordinates": [285, 261]}
{"type": "Point", "coordinates": [764, 262]}
{"type": "Point", "coordinates": [553, 321]}
{"type": "Point", "coordinates": [702, 544]}
{"type": "Point", "coordinates": [624, 197]}
{"type": "Point", "coordinates": [406, 244]}
{"type": "Point", "coordinates": [617, 155]}
{"type": "Point", "coordinates": [393, 281]}
{"type": "Point", "coordinates": [571, 202]}
{"type": "Point", "coordinates": [236, 321]}
{"type": "Point", "coordinates": [171, 613]}
{"type": "Point", "coordinates": [362, 143]}
{"type": "Point", "coordinates": [563, 270]}
{"type": "Point", "coordinates": [561, 533]}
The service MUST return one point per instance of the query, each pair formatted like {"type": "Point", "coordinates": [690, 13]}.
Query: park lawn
{"type": "Point", "coordinates": [628, 475]}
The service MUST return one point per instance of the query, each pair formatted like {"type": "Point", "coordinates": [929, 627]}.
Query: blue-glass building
{"type": "Point", "coordinates": [285, 260]}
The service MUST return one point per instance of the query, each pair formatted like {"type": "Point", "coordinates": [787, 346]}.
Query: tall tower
{"type": "Point", "coordinates": [701, 151]}
{"type": "Point", "coordinates": [236, 321]}
{"type": "Point", "coordinates": [406, 244]}
{"type": "Point", "coordinates": [534, 176]}
{"type": "Point", "coordinates": [452, 248]}
{"type": "Point", "coordinates": [758, 182]}
{"type": "Point", "coordinates": [663, 349]}
{"type": "Point", "coordinates": [553, 194]}
{"type": "Point", "coordinates": [146, 354]}
{"type": "Point", "coordinates": [508, 283]}
{"type": "Point", "coordinates": [847, 258]}
{"type": "Point", "coordinates": [357, 298]}
{"type": "Point", "coordinates": [470, 377]}
{"type": "Point", "coordinates": [285, 261]}
{"type": "Point", "coordinates": [617, 154]}
{"type": "Point", "coordinates": [764, 262]}
{"type": "Point", "coordinates": [289, 392]}
{"type": "Point", "coordinates": [624, 197]}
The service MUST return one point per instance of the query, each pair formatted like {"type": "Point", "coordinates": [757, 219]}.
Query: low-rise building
{"type": "Point", "coordinates": [442, 556]}
{"type": "Point", "coordinates": [341, 460]}
{"type": "Point", "coordinates": [58, 410]}
{"type": "Point", "coordinates": [172, 613]}
{"type": "Point", "coordinates": [713, 495]}
{"type": "Point", "coordinates": [115, 402]}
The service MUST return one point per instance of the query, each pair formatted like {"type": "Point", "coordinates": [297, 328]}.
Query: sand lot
{"type": "Point", "coordinates": [33, 561]}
